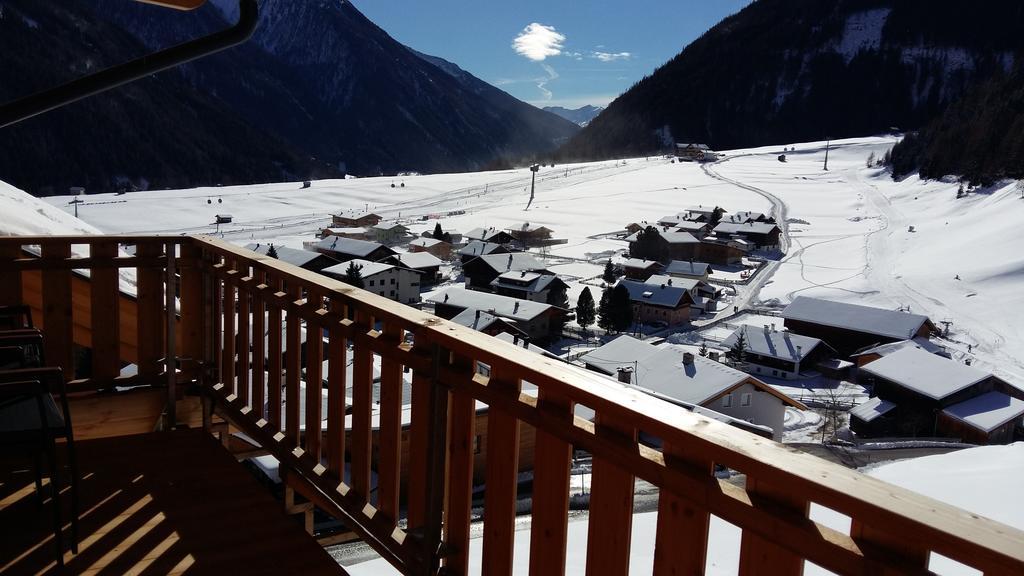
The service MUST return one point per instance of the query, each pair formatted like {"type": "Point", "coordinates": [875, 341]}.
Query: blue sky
{"type": "Point", "coordinates": [554, 52]}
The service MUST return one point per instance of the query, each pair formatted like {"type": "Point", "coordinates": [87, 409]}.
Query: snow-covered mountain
{"type": "Point", "coordinates": [582, 115]}
{"type": "Point", "coordinates": [797, 70]}
{"type": "Point", "coordinates": [318, 91]}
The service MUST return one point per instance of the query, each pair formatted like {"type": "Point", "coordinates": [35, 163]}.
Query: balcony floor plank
{"type": "Point", "coordinates": [159, 503]}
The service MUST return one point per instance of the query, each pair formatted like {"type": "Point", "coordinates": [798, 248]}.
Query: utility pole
{"type": "Point", "coordinates": [827, 142]}
{"type": "Point", "coordinates": [76, 202]}
{"type": "Point", "coordinates": [533, 182]}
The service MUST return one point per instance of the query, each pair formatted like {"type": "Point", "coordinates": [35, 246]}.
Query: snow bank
{"type": "Point", "coordinates": [25, 215]}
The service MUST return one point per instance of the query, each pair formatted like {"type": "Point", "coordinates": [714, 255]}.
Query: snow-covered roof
{"type": "Point", "coordinates": [656, 294]}
{"type": "Point", "coordinates": [349, 246]}
{"type": "Point", "coordinates": [641, 264]}
{"type": "Point", "coordinates": [878, 321]}
{"type": "Point", "coordinates": [388, 226]}
{"type": "Point", "coordinates": [925, 373]}
{"type": "Point", "coordinates": [988, 411]}
{"type": "Point", "coordinates": [503, 306]}
{"type": "Point", "coordinates": [689, 226]}
{"type": "Point", "coordinates": [687, 268]}
{"type": "Point", "coordinates": [426, 242]}
{"type": "Point", "coordinates": [525, 344]}
{"type": "Point", "coordinates": [679, 238]}
{"type": "Point", "coordinates": [479, 248]}
{"type": "Point", "coordinates": [745, 228]}
{"type": "Point", "coordinates": [661, 369]}
{"type": "Point", "coordinates": [700, 208]}
{"type": "Point", "coordinates": [773, 344]}
{"type": "Point", "coordinates": [677, 282]}
{"type": "Point", "coordinates": [526, 281]}
{"type": "Point", "coordinates": [872, 409]}
{"type": "Point", "coordinates": [285, 254]}
{"type": "Point", "coordinates": [336, 231]}
{"type": "Point", "coordinates": [917, 342]}
{"type": "Point", "coordinates": [484, 233]}
{"type": "Point", "coordinates": [366, 268]}
{"type": "Point", "coordinates": [744, 215]}
{"type": "Point", "coordinates": [513, 261]}
{"type": "Point", "coordinates": [476, 319]}
{"type": "Point", "coordinates": [418, 260]}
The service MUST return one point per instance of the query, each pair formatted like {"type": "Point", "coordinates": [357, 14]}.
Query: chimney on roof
{"type": "Point", "coordinates": [477, 314]}
{"type": "Point", "coordinates": [522, 274]}
{"type": "Point", "coordinates": [798, 349]}
{"type": "Point", "coordinates": [766, 329]}
{"type": "Point", "coordinates": [626, 374]}
{"type": "Point", "coordinates": [515, 308]}
{"type": "Point", "coordinates": [515, 339]}
{"type": "Point", "coordinates": [445, 297]}
{"type": "Point", "coordinates": [773, 327]}
{"type": "Point", "coordinates": [510, 261]}
{"type": "Point", "coordinates": [669, 281]}
{"type": "Point", "coordinates": [687, 358]}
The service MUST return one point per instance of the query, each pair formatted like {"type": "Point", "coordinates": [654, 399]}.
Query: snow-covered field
{"type": "Point", "coordinates": [848, 226]}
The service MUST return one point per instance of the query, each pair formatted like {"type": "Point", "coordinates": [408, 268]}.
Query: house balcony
{"type": "Point", "coordinates": [184, 311]}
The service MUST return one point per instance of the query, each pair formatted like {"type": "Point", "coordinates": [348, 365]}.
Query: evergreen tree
{"type": "Point", "coordinates": [438, 232]}
{"type": "Point", "coordinates": [272, 252]}
{"type": "Point", "coordinates": [703, 350]}
{"type": "Point", "coordinates": [716, 216]}
{"type": "Point", "coordinates": [738, 352]}
{"type": "Point", "coordinates": [649, 245]}
{"type": "Point", "coordinates": [609, 272]}
{"type": "Point", "coordinates": [621, 308]}
{"type": "Point", "coordinates": [353, 276]}
{"type": "Point", "coordinates": [447, 237]}
{"type": "Point", "coordinates": [604, 310]}
{"type": "Point", "coordinates": [585, 312]}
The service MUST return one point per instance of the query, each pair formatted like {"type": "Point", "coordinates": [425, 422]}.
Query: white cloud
{"type": "Point", "coordinates": [611, 56]}
{"type": "Point", "coordinates": [538, 42]}
{"type": "Point", "coordinates": [542, 83]}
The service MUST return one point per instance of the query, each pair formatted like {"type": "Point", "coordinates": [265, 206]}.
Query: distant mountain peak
{"type": "Point", "coordinates": [581, 116]}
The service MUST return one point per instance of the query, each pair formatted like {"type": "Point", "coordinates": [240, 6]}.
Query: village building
{"type": "Point", "coordinates": [355, 220]}
{"type": "Point", "coordinates": [357, 233]}
{"type": "Point", "coordinates": [427, 265]}
{"type": "Point", "coordinates": [492, 235]}
{"type": "Point", "coordinates": [658, 303]}
{"type": "Point", "coordinates": [674, 245]}
{"type": "Point", "coordinates": [438, 248]}
{"type": "Point", "coordinates": [640, 269]}
{"type": "Point", "coordinates": [761, 235]}
{"type": "Point", "coordinates": [676, 373]}
{"type": "Point", "coordinates": [768, 352]}
{"type": "Point", "coordinates": [693, 151]}
{"type": "Point", "coordinates": [454, 236]}
{"type": "Point", "coordinates": [633, 228]}
{"type": "Point", "coordinates": [532, 286]}
{"type": "Point", "coordinates": [388, 232]}
{"type": "Point", "coordinates": [527, 235]}
{"type": "Point", "coordinates": [928, 395]}
{"type": "Point", "coordinates": [487, 323]}
{"type": "Point", "coordinates": [305, 259]}
{"type": "Point", "coordinates": [849, 328]}
{"type": "Point", "coordinates": [744, 216]}
{"type": "Point", "coordinates": [873, 353]}
{"type": "Point", "coordinates": [697, 229]}
{"type": "Point", "coordinates": [481, 271]}
{"type": "Point", "coordinates": [699, 213]}
{"type": "Point", "coordinates": [538, 320]}
{"type": "Point", "coordinates": [345, 249]}
{"type": "Point", "coordinates": [387, 280]}
{"type": "Point", "coordinates": [688, 269]}
{"type": "Point", "coordinates": [725, 251]}
{"type": "Point", "coordinates": [704, 295]}
{"type": "Point", "coordinates": [478, 248]}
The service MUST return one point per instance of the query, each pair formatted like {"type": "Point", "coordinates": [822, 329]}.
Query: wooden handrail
{"type": "Point", "coordinates": [422, 457]}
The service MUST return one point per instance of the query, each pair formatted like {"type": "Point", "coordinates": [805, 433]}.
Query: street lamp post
{"type": "Point", "coordinates": [533, 181]}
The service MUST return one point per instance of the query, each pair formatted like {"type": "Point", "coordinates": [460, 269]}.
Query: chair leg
{"type": "Point", "coordinates": [58, 539]}
{"type": "Point", "coordinates": [73, 470]}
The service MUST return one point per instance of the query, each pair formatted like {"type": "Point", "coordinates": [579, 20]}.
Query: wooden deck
{"type": "Point", "coordinates": [160, 503]}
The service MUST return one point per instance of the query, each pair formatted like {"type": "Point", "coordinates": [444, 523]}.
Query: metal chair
{"type": "Point", "coordinates": [30, 419]}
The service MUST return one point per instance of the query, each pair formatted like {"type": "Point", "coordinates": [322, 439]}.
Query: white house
{"type": "Point", "coordinates": [394, 282]}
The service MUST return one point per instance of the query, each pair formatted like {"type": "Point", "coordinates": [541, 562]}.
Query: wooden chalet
{"type": "Point", "coordinates": [202, 526]}
{"type": "Point", "coordinates": [659, 302]}
{"type": "Point", "coordinates": [849, 328]}
{"type": "Point", "coordinates": [480, 272]}
{"type": "Point", "coordinates": [438, 248]}
{"type": "Point", "coordinates": [355, 220]}
{"type": "Point", "coordinates": [306, 259]}
{"type": "Point", "coordinates": [345, 249]}
{"type": "Point", "coordinates": [760, 235]}
{"type": "Point", "coordinates": [477, 248]}
{"type": "Point", "coordinates": [640, 269]}
{"type": "Point", "coordinates": [769, 352]}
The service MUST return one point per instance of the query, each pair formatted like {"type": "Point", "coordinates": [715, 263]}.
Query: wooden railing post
{"type": "Point", "coordinates": [552, 459]}
{"type": "Point", "coordinates": [336, 387]}
{"type": "Point", "coordinates": [897, 554]}
{"type": "Point", "coordinates": [104, 306]}
{"type": "Point", "coordinates": [192, 334]}
{"type": "Point", "coordinates": [274, 356]}
{"type": "Point", "coordinates": [501, 477]}
{"type": "Point", "coordinates": [57, 309]}
{"type": "Point", "coordinates": [609, 532]}
{"type": "Point", "coordinates": [362, 405]}
{"type": "Point", "coordinates": [461, 454]}
{"type": "Point", "coordinates": [758, 554]}
{"type": "Point", "coordinates": [314, 379]}
{"type": "Point", "coordinates": [150, 320]}
{"type": "Point", "coordinates": [682, 536]}
{"type": "Point", "coordinates": [170, 338]}
{"type": "Point", "coordinates": [389, 451]}
{"type": "Point", "coordinates": [293, 365]}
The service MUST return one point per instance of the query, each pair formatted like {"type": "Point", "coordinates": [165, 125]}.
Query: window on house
{"type": "Point", "coordinates": [392, 281]}
{"type": "Point", "coordinates": [371, 283]}
{"type": "Point", "coordinates": [745, 399]}
{"type": "Point", "coordinates": [392, 293]}
{"type": "Point", "coordinates": [775, 372]}
{"type": "Point", "coordinates": [727, 401]}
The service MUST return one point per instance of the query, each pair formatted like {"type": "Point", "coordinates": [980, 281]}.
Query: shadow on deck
{"type": "Point", "coordinates": [159, 503]}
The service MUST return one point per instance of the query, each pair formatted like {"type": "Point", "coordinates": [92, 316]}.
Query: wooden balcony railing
{"type": "Point", "coordinates": [226, 295]}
